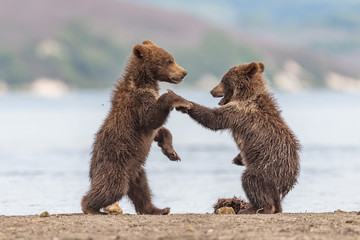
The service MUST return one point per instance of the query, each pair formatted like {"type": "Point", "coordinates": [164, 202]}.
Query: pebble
{"type": "Point", "coordinates": [45, 214]}
{"type": "Point", "coordinates": [225, 210]}
{"type": "Point", "coordinates": [113, 209]}
{"type": "Point", "coordinates": [190, 229]}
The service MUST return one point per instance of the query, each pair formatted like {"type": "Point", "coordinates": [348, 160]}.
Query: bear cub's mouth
{"type": "Point", "coordinates": [223, 101]}
{"type": "Point", "coordinates": [219, 94]}
{"type": "Point", "coordinates": [176, 80]}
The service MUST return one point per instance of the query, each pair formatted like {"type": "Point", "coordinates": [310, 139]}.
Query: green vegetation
{"type": "Point", "coordinates": [89, 59]}
{"type": "Point", "coordinates": [88, 49]}
{"type": "Point", "coordinates": [10, 68]}
{"type": "Point", "coordinates": [79, 56]}
{"type": "Point", "coordinates": [84, 58]}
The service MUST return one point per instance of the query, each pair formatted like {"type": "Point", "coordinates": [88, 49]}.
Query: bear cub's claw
{"type": "Point", "coordinates": [172, 155]}
{"type": "Point", "coordinates": [182, 103]}
{"type": "Point", "coordinates": [182, 109]}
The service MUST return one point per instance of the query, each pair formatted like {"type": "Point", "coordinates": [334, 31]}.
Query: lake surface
{"type": "Point", "coordinates": [45, 147]}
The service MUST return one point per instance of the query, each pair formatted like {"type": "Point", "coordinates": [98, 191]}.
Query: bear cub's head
{"type": "Point", "coordinates": [158, 63]}
{"type": "Point", "coordinates": [240, 82]}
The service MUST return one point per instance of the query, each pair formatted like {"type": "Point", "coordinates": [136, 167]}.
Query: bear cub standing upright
{"type": "Point", "coordinates": [135, 120]}
{"type": "Point", "coordinates": [268, 148]}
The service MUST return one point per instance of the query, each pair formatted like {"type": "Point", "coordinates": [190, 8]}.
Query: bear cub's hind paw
{"type": "Point", "coordinates": [158, 211]}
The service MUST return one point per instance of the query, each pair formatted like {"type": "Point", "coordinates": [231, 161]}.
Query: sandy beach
{"type": "Point", "coordinates": [335, 225]}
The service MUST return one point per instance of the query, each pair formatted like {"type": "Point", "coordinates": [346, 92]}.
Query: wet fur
{"type": "Point", "coordinates": [135, 120]}
{"type": "Point", "coordinates": [268, 148]}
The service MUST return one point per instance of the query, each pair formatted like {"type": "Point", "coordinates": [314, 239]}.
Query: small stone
{"type": "Point", "coordinates": [113, 209]}
{"type": "Point", "coordinates": [225, 210]}
{"type": "Point", "coordinates": [190, 229]}
{"type": "Point", "coordinates": [45, 214]}
{"type": "Point", "coordinates": [350, 221]}
{"type": "Point", "coordinates": [358, 213]}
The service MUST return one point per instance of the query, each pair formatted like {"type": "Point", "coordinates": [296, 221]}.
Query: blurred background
{"type": "Point", "coordinates": [59, 60]}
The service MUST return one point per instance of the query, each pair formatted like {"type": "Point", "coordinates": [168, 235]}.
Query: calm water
{"type": "Point", "coordinates": [45, 147]}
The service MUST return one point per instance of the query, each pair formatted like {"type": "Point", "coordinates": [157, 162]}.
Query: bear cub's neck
{"type": "Point", "coordinates": [139, 76]}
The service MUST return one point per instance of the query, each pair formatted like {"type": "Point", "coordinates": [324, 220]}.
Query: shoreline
{"type": "Point", "coordinates": [331, 225]}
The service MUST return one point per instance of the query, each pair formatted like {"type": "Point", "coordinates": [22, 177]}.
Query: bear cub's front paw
{"type": "Point", "coordinates": [171, 154]}
{"type": "Point", "coordinates": [182, 109]}
{"type": "Point", "coordinates": [238, 160]}
{"type": "Point", "coordinates": [178, 101]}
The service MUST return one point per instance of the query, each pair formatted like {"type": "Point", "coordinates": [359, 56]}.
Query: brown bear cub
{"type": "Point", "coordinates": [268, 148]}
{"type": "Point", "coordinates": [135, 120]}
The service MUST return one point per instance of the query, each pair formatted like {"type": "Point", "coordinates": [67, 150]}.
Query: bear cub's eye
{"type": "Point", "coordinates": [169, 61]}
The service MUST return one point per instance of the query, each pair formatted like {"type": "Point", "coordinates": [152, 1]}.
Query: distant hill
{"type": "Point", "coordinates": [86, 43]}
{"type": "Point", "coordinates": [322, 35]}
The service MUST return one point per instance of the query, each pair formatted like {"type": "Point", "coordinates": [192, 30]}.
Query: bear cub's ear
{"type": "Point", "coordinates": [262, 66]}
{"type": "Point", "coordinates": [254, 67]}
{"type": "Point", "coordinates": [140, 51]}
{"type": "Point", "coordinates": [147, 42]}
{"type": "Point", "coordinates": [251, 68]}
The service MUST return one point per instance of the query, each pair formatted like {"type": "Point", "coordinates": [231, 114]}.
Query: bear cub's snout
{"type": "Point", "coordinates": [218, 91]}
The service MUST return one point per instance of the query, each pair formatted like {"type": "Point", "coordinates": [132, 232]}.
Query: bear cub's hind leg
{"type": "Point", "coordinates": [262, 194]}
{"type": "Point", "coordinates": [139, 193]}
{"type": "Point", "coordinates": [92, 202]}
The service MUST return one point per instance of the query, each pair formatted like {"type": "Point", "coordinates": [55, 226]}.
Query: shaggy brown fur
{"type": "Point", "coordinates": [236, 203]}
{"type": "Point", "coordinates": [135, 120]}
{"type": "Point", "coordinates": [268, 148]}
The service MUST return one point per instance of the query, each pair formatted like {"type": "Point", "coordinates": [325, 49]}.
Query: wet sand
{"type": "Point", "coordinates": [336, 225]}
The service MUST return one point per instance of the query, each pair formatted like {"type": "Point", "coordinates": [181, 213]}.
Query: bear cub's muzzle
{"type": "Point", "coordinates": [218, 91]}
